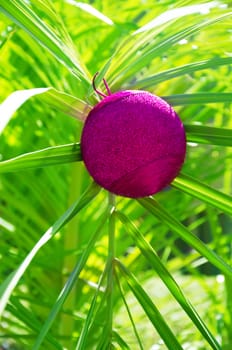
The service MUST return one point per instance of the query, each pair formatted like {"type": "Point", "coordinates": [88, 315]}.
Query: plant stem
{"type": "Point", "coordinates": [228, 288]}
{"type": "Point", "coordinates": [110, 263]}
{"type": "Point", "coordinates": [71, 238]}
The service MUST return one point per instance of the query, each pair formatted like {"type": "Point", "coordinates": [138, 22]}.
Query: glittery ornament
{"type": "Point", "coordinates": [133, 143]}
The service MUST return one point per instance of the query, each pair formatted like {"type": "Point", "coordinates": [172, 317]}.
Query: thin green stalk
{"type": "Point", "coordinates": [111, 255]}
{"type": "Point", "coordinates": [71, 238]}
{"type": "Point", "coordinates": [128, 311]}
{"type": "Point", "coordinates": [107, 330]}
{"type": "Point", "coordinates": [155, 262]}
{"type": "Point", "coordinates": [149, 308]}
{"type": "Point", "coordinates": [69, 284]}
{"type": "Point", "coordinates": [228, 289]}
{"type": "Point", "coordinates": [91, 316]}
{"type": "Point", "coordinates": [158, 211]}
{"type": "Point", "coordinates": [120, 341]}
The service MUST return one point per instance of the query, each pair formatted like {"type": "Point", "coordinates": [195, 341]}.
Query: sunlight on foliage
{"type": "Point", "coordinates": [81, 268]}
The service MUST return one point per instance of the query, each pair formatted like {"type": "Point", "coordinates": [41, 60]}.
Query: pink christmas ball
{"type": "Point", "coordinates": [133, 143]}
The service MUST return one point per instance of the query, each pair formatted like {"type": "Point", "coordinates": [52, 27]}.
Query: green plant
{"type": "Point", "coordinates": [111, 272]}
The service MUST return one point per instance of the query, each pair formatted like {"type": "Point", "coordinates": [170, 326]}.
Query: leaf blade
{"type": "Point", "coordinates": [176, 72]}
{"type": "Point", "coordinates": [154, 260]}
{"type": "Point", "coordinates": [208, 135]}
{"type": "Point", "coordinates": [175, 14]}
{"type": "Point", "coordinates": [203, 192]}
{"type": "Point", "coordinates": [28, 20]}
{"type": "Point", "coordinates": [14, 101]}
{"type": "Point", "coordinates": [69, 285]}
{"type": "Point", "coordinates": [150, 309]}
{"type": "Point", "coordinates": [11, 282]}
{"type": "Point", "coordinates": [42, 158]}
{"type": "Point", "coordinates": [61, 101]}
{"type": "Point", "coordinates": [199, 98]}
{"type": "Point", "coordinates": [159, 212]}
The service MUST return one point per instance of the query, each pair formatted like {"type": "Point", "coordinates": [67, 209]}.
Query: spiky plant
{"type": "Point", "coordinates": [81, 268]}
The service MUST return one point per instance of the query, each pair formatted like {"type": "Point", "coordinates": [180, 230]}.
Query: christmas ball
{"type": "Point", "coordinates": [133, 143]}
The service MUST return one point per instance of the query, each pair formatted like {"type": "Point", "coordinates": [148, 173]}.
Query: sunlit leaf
{"type": "Point", "coordinates": [13, 102]}
{"type": "Point", "coordinates": [69, 285]}
{"type": "Point", "coordinates": [203, 192]}
{"type": "Point", "coordinates": [177, 227]}
{"type": "Point", "coordinates": [168, 280]}
{"type": "Point", "coordinates": [209, 135]}
{"type": "Point", "coordinates": [175, 72]}
{"type": "Point", "coordinates": [71, 293]}
{"type": "Point", "coordinates": [91, 10]}
{"type": "Point", "coordinates": [42, 158]}
{"type": "Point", "coordinates": [10, 283]}
{"type": "Point", "coordinates": [62, 102]}
{"type": "Point", "coordinates": [150, 309]}
{"type": "Point", "coordinates": [200, 98]}
{"type": "Point", "coordinates": [177, 13]}
{"type": "Point", "coordinates": [133, 56]}
{"type": "Point", "coordinates": [26, 18]}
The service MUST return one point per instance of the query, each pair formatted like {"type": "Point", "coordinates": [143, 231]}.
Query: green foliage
{"type": "Point", "coordinates": [79, 268]}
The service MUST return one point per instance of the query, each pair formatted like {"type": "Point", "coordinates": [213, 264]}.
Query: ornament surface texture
{"type": "Point", "coordinates": [133, 143]}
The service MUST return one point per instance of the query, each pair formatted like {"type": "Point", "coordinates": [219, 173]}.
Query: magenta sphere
{"type": "Point", "coordinates": [133, 143]}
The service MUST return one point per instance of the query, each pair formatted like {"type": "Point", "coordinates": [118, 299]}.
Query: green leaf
{"type": "Point", "coordinates": [31, 201]}
{"type": "Point", "coordinates": [94, 310]}
{"type": "Point", "coordinates": [107, 324]}
{"type": "Point", "coordinates": [22, 14]}
{"type": "Point", "coordinates": [61, 101]}
{"type": "Point", "coordinates": [91, 315]}
{"type": "Point", "coordinates": [42, 158]}
{"type": "Point", "coordinates": [199, 98]}
{"type": "Point", "coordinates": [92, 11]}
{"type": "Point", "coordinates": [138, 51]}
{"type": "Point", "coordinates": [14, 102]}
{"type": "Point", "coordinates": [128, 311]}
{"type": "Point", "coordinates": [156, 263]}
{"type": "Point", "coordinates": [208, 135]}
{"type": "Point", "coordinates": [149, 308]}
{"type": "Point", "coordinates": [66, 103]}
{"type": "Point", "coordinates": [29, 318]}
{"type": "Point", "coordinates": [176, 13]}
{"type": "Point", "coordinates": [175, 72]}
{"type": "Point", "coordinates": [203, 192]}
{"type": "Point", "coordinates": [73, 278]}
{"type": "Point", "coordinates": [10, 283]}
{"type": "Point", "coordinates": [7, 225]}
{"type": "Point", "coordinates": [120, 341]}
{"type": "Point", "coordinates": [110, 274]}
{"type": "Point", "coordinates": [158, 211]}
